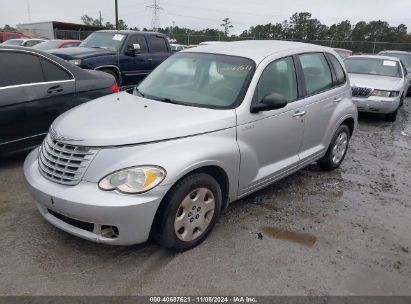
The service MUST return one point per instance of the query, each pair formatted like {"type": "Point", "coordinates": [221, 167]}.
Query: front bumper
{"type": "Point", "coordinates": [374, 104]}
{"type": "Point", "coordinates": [88, 212]}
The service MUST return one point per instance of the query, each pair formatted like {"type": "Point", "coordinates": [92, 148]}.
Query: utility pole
{"type": "Point", "coordinates": [28, 10]}
{"type": "Point", "coordinates": [116, 14]}
{"type": "Point", "coordinates": [155, 20]}
{"type": "Point", "coordinates": [101, 20]}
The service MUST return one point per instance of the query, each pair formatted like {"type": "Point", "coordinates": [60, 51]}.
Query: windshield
{"type": "Point", "coordinates": [405, 58]}
{"type": "Point", "coordinates": [373, 66]}
{"type": "Point", "coordinates": [205, 80]}
{"type": "Point", "coordinates": [48, 45]}
{"type": "Point", "coordinates": [108, 41]}
{"type": "Point", "coordinates": [13, 42]}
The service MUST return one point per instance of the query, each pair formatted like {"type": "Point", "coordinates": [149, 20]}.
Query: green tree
{"type": "Point", "coordinates": [227, 26]}
{"type": "Point", "coordinates": [90, 21]}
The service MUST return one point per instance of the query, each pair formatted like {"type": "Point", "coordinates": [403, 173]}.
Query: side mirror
{"type": "Point", "coordinates": [133, 49]}
{"type": "Point", "coordinates": [270, 102]}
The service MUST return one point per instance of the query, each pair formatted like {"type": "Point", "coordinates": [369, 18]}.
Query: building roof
{"type": "Point", "coordinates": [63, 25]}
{"type": "Point", "coordinates": [256, 50]}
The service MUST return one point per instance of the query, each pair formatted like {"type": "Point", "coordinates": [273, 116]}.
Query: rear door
{"type": "Point", "coordinates": [158, 47]}
{"type": "Point", "coordinates": [20, 75]}
{"type": "Point", "coordinates": [54, 96]}
{"type": "Point", "coordinates": [324, 90]}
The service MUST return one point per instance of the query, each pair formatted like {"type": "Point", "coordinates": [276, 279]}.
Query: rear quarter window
{"type": "Point", "coordinates": [53, 72]}
{"type": "Point", "coordinates": [338, 69]}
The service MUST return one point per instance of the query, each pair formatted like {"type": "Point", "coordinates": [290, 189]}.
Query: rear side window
{"type": "Point", "coordinates": [316, 72]}
{"type": "Point", "coordinates": [158, 44]}
{"type": "Point", "coordinates": [278, 77]}
{"type": "Point", "coordinates": [339, 71]}
{"type": "Point", "coordinates": [52, 72]}
{"type": "Point", "coordinates": [19, 68]}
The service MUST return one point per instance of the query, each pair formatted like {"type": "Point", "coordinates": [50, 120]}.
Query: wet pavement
{"type": "Point", "coordinates": [345, 232]}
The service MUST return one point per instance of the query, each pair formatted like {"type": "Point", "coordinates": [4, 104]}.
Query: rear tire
{"type": "Point", "coordinates": [392, 116]}
{"type": "Point", "coordinates": [188, 213]}
{"type": "Point", "coordinates": [337, 150]}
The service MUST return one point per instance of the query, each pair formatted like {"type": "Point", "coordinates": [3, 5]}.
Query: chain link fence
{"type": "Point", "coordinates": [369, 47]}
{"type": "Point", "coordinates": [71, 35]}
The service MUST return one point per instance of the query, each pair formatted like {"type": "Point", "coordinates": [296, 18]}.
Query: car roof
{"type": "Point", "coordinates": [126, 32]}
{"type": "Point", "coordinates": [374, 57]}
{"type": "Point", "coordinates": [395, 52]}
{"type": "Point", "coordinates": [343, 50]}
{"type": "Point", "coordinates": [256, 50]}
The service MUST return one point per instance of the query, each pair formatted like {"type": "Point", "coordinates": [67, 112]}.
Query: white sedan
{"type": "Point", "coordinates": [379, 83]}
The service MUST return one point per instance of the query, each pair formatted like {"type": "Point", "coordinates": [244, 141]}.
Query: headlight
{"type": "Point", "coordinates": [133, 180]}
{"type": "Point", "coordinates": [381, 93]}
{"type": "Point", "coordinates": [75, 61]}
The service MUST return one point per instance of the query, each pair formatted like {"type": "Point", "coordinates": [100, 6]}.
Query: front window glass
{"type": "Point", "coordinates": [278, 77]}
{"type": "Point", "coordinates": [108, 41]}
{"type": "Point", "coordinates": [373, 66]}
{"type": "Point", "coordinates": [206, 80]}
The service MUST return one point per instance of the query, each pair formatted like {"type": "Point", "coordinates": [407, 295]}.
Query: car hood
{"type": "Point", "coordinates": [79, 52]}
{"type": "Point", "coordinates": [124, 119]}
{"type": "Point", "coordinates": [375, 82]}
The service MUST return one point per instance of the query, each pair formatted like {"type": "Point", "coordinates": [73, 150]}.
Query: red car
{"type": "Point", "coordinates": [10, 35]}
{"type": "Point", "coordinates": [56, 44]}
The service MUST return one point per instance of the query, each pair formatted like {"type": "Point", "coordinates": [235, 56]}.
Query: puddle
{"type": "Point", "coordinates": [292, 236]}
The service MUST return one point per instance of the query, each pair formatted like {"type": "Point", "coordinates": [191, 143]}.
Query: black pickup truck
{"type": "Point", "coordinates": [127, 55]}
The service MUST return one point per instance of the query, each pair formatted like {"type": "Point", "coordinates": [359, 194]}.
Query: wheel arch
{"type": "Point", "coordinates": [112, 68]}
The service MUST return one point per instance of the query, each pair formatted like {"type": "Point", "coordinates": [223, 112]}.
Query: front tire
{"type": "Point", "coordinates": [392, 116]}
{"type": "Point", "coordinates": [188, 213]}
{"type": "Point", "coordinates": [337, 150]}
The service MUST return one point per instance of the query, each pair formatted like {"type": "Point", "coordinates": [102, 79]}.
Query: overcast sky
{"type": "Point", "coordinates": [203, 14]}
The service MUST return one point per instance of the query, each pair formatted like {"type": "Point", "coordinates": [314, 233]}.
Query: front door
{"type": "Point", "coordinates": [269, 141]}
{"type": "Point", "coordinates": [135, 67]}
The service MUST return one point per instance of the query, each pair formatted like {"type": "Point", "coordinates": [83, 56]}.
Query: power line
{"type": "Point", "coordinates": [155, 21]}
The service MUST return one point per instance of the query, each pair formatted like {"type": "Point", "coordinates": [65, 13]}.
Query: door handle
{"type": "Point", "coordinates": [299, 113]}
{"type": "Point", "coordinates": [150, 59]}
{"type": "Point", "coordinates": [337, 99]}
{"type": "Point", "coordinates": [55, 89]}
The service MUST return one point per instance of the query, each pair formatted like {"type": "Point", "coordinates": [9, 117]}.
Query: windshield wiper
{"type": "Point", "coordinates": [168, 100]}
{"type": "Point", "coordinates": [136, 90]}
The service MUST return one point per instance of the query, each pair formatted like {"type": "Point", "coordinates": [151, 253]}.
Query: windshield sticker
{"type": "Point", "coordinates": [118, 37]}
{"type": "Point", "coordinates": [389, 63]}
{"type": "Point", "coordinates": [234, 68]}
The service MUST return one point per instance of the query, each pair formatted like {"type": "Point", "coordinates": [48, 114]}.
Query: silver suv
{"type": "Point", "coordinates": [210, 125]}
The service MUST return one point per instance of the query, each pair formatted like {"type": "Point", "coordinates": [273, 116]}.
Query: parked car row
{"type": "Point", "coordinates": [206, 127]}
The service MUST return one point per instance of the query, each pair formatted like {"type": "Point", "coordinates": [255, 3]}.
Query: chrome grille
{"type": "Point", "coordinates": [64, 163]}
{"type": "Point", "coordinates": [361, 92]}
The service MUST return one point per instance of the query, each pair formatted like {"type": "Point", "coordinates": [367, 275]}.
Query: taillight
{"type": "Point", "coordinates": [115, 88]}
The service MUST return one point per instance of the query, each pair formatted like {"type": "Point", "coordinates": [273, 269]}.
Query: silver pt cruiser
{"type": "Point", "coordinates": [208, 126]}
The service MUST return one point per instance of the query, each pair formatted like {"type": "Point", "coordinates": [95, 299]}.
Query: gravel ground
{"type": "Point", "coordinates": [345, 232]}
